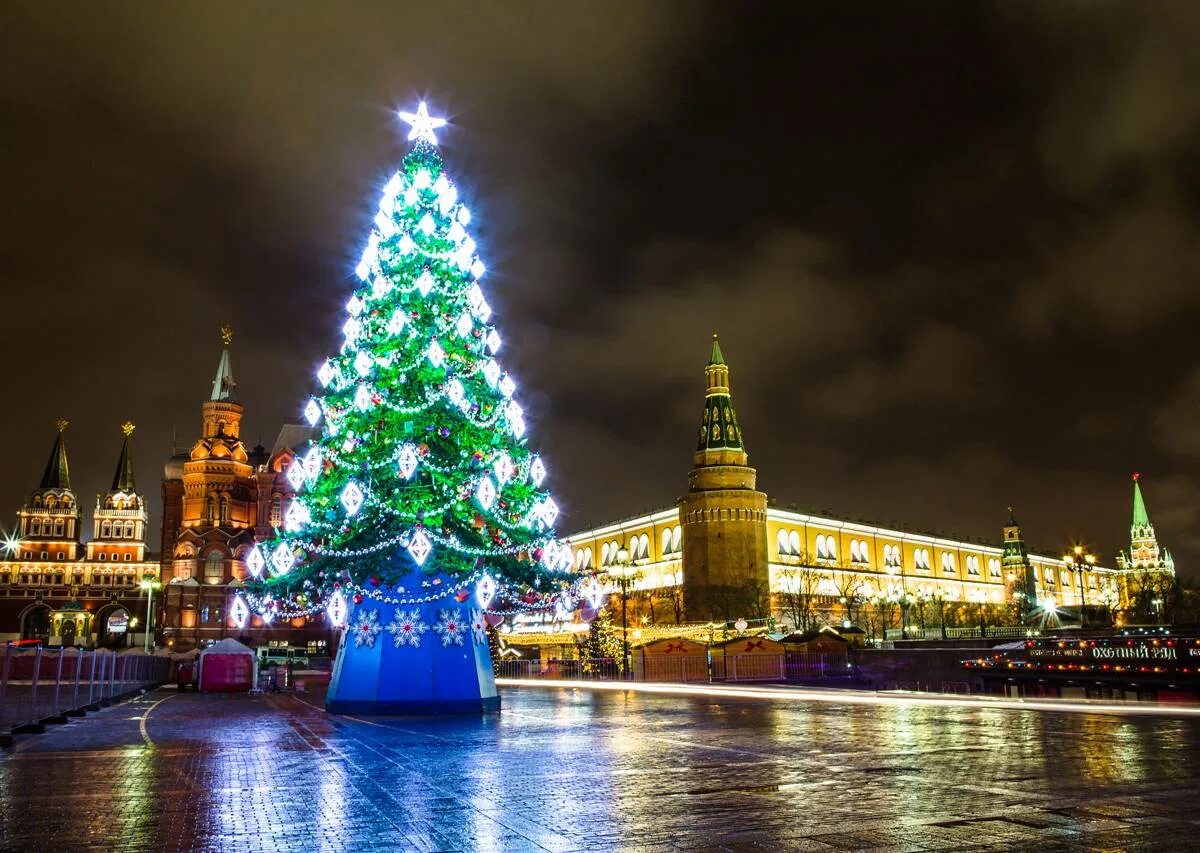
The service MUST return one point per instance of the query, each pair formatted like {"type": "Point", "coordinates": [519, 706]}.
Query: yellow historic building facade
{"type": "Point", "coordinates": [723, 551]}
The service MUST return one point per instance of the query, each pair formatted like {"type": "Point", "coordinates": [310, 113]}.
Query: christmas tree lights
{"type": "Point", "coordinates": [422, 463]}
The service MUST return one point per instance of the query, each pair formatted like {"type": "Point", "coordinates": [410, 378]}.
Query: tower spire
{"type": "Point", "coordinates": [1144, 549]}
{"type": "Point", "coordinates": [719, 429]}
{"type": "Point", "coordinates": [57, 475]}
{"type": "Point", "coordinates": [224, 387]}
{"type": "Point", "coordinates": [123, 478]}
{"type": "Point", "coordinates": [1141, 518]}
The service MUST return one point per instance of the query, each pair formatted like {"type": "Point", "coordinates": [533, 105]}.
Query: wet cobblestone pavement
{"type": "Point", "coordinates": [575, 770]}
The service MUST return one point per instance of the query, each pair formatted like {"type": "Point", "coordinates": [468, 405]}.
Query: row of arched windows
{"type": "Point", "coordinates": [789, 544]}
{"type": "Point", "coordinates": [638, 548]}
{"type": "Point", "coordinates": [52, 502]}
{"type": "Point", "coordinates": [116, 530]}
{"type": "Point", "coordinates": [46, 527]}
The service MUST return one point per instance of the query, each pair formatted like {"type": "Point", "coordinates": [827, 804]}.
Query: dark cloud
{"type": "Point", "coordinates": [949, 247]}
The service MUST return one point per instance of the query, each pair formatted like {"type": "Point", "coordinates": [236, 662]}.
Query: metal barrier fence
{"type": "Point", "coordinates": [685, 668]}
{"type": "Point", "coordinates": [1019, 632]}
{"type": "Point", "coordinates": [48, 685]}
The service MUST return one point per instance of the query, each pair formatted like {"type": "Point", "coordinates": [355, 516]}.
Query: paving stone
{"type": "Point", "coordinates": [570, 770]}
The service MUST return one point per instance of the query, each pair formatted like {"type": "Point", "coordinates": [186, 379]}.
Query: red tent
{"type": "Point", "coordinates": [227, 667]}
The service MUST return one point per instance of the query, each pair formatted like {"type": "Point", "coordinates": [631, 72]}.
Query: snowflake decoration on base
{"type": "Point", "coordinates": [366, 628]}
{"type": "Point", "coordinates": [450, 627]}
{"type": "Point", "coordinates": [478, 627]}
{"type": "Point", "coordinates": [406, 628]}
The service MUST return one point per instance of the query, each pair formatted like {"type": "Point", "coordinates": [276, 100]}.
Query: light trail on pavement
{"type": "Point", "coordinates": [856, 697]}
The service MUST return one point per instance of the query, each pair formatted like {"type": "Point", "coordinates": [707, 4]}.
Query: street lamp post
{"type": "Point", "coordinates": [149, 583]}
{"type": "Point", "coordinates": [1080, 561]}
{"type": "Point", "coordinates": [624, 575]}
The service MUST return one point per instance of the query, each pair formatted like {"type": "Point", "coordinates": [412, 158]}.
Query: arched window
{"type": "Point", "coordinates": [210, 509]}
{"type": "Point", "coordinates": [106, 530]}
{"type": "Point", "coordinates": [58, 527]}
{"type": "Point", "coordinates": [785, 547]}
{"type": "Point", "coordinates": [587, 558]}
{"type": "Point", "coordinates": [666, 541]}
{"type": "Point", "coordinates": [214, 567]}
{"type": "Point", "coordinates": [224, 509]}
{"type": "Point", "coordinates": [644, 546]}
{"type": "Point", "coordinates": [676, 539]}
{"type": "Point", "coordinates": [822, 551]}
{"type": "Point", "coordinates": [129, 530]}
{"type": "Point", "coordinates": [51, 503]}
{"type": "Point", "coordinates": [604, 554]}
{"type": "Point", "coordinates": [948, 565]}
{"type": "Point", "coordinates": [973, 566]}
{"type": "Point", "coordinates": [994, 567]}
{"type": "Point", "coordinates": [1050, 577]}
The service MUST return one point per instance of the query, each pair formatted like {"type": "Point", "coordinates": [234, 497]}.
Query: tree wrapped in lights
{"type": "Point", "coordinates": [420, 510]}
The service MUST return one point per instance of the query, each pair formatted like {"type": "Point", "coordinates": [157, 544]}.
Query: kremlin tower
{"type": "Point", "coordinates": [724, 517]}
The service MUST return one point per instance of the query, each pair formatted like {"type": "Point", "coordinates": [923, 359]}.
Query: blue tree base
{"type": "Point", "coordinates": [428, 659]}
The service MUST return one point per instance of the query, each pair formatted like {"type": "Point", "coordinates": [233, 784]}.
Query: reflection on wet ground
{"type": "Point", "coordinates": [575, 770]}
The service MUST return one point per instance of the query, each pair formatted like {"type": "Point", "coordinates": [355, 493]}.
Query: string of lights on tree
{"type": "Point", "coordinates": [421, 455]}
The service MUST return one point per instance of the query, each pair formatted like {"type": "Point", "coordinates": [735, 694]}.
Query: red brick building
{"type": "Point", "coordinates": [218, 499]}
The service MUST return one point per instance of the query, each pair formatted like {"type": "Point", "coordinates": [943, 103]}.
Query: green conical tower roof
{"type": "Point", "coordinates": [716, 357]}
{"type": "Point", "coordinates": [719, 429]}
{"type": "Point", "coordinates": [123, 478]}
{"type": "Point", "coordinates": [1140, 517]}
{"type": "Point", "coordinates": [57, 476]}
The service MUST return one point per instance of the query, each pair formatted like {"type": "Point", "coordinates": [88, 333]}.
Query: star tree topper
{"type": "Point", "coordinates": [423, 125]}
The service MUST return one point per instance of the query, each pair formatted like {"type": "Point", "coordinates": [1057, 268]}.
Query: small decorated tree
{"type": "Point", "coordinates": [421, 515]}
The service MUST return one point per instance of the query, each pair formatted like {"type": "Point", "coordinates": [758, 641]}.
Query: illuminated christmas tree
{"type": "Point", "coordinates": [420, 513]}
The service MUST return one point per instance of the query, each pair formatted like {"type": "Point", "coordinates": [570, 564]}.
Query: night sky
{"type": "Point", "coordinates": [951, 248]}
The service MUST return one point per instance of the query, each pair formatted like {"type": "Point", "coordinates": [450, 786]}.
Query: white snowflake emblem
{"type": "Point", "coordinates": [406, 628]}
{"type": "Point", "coordinates": [366, 628]}
{"type": "Point", "coordinates": [451, 627]}
{"type": "Point", "coordinates": [478, 627]}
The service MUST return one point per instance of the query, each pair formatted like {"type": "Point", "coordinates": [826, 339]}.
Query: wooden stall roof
{"type": "Point", "coordinates": [757, 645]}
{"type": "Point", "coordinates": [673, 646]}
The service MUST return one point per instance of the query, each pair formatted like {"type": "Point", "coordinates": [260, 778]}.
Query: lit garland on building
{"type": "Point", "coordinates": [421, 458]}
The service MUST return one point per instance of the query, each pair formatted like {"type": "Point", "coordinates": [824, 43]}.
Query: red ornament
{"type": "Point", "coordinates": [374, 581]}
{"type": "Point", "coordinates": [537, 554]}
{"type": "Point", "coordinates": [461, 596]}
{"type": "Point", "coordinates": [358, 598]}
